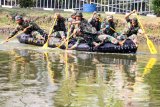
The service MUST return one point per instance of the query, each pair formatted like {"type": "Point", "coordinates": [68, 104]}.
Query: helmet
{"type": "Point", "coordinates": [109, 17]}
{"type": "Point", "coordinates": [79, 14]}
{"type": "Point", "coordinates": [74, 13]}
{"type": "Point", "coordinates": [135, 19]}
{"type": "Point", "coordinates": [18, 18]}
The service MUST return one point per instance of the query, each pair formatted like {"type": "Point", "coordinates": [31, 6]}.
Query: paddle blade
{"type": "Point", "coordinates": [151, 47]}
{"type": "Point", "coordinates": [45, 46]}
{"type": "Point", "coordinates": [149, 66]}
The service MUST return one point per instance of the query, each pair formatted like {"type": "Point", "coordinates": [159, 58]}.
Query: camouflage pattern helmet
{"type": "Point", "coordinates": [74, 13]}
{"type": "Point", "coordinates": [135, 19]}
{"type": "Point", "coordinates": [109, 17]}
{"type": "Point", "coordinates": [79, 14]}
{"type": "Point", "coordinates": [18, 18]}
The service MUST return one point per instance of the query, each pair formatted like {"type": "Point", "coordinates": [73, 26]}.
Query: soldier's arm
{"type": "Point", "coordinates": [135, 31]}
{"type": "Point", "coordinates": [127, 16]}
{"type": "Point", "coordinates": [14, 32]}
{"type": "Point", "coordinates": [90, 20]}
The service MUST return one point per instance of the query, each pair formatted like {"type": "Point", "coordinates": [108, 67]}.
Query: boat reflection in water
{"type": "Point", "coordinates": [69, 78]}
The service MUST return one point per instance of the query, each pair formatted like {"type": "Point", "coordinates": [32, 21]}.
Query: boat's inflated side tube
{"type": "Point", "coordinates": [128, 46]}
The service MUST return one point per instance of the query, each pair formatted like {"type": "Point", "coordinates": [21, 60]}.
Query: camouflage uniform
{"type": "Point", "coordinates": [59, 28]}
{"type": "Point", "coordinates": [105, 38]}
{"type": "Point", "coordinates": [34, 30]}
{"type": "Point", "coordinates": [95, 23]}
{"type": "Point", "coordinates": [131, 32]}
{"type": "Point", "coordinates": [84, 31]}
{"type": "Point", "coordinates": [108, 32]}
{"type": "Point", "coordinates": [107, 26]}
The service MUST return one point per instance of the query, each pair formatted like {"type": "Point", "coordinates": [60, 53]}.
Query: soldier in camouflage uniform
{"type": "Point", "coordinates": [29, 28]}
{"type": "Point", "coordinates": [95, 21]}
{"type": "Point", "coordinates": [59, 30]}
{"type": "Point", "coordinates": [107, 33]}
{"type": "Point", "coordinates": [83, 30]}
{"type": "Point", "coordinates": [71, 20]}
{"type": "Point", "coordinates": [108, 26]}
{"type": "Point", "coordinates": [132, 30]}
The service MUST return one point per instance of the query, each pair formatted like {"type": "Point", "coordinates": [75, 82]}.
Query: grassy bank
{"type": "Point", "coordinates": [44, 19]}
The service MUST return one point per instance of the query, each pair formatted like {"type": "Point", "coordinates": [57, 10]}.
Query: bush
{"type": "Point", "coordinates": [156, 6]}
{"type": "Point", "coordinates": [26, 3]}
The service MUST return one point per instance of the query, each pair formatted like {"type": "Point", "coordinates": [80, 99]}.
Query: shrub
{"type": "Point", "coordinates": [26, 3]}
{"type": "Point", "coordinates": [156, 7]}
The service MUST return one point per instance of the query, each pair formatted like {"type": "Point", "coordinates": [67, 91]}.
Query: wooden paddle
{"type": "Point", "coordinates": [65, 41]}
{"type": "Point", "coordinates": [46, 44]}
{"type": "Point", "coordinates": [8, 39]}
{"type": "Point", "coordinates": [149, 42]}
{"type": "Point", "coordinates": [149, 66]}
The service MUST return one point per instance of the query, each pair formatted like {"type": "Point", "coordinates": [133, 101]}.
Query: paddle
{"type": "Point", "coordinates": [46, 44]}
{"type": "Point", "coordinates": [64, 41]}
{"type": "Point", "coordinates": [15, 35]}
{"type": "Point", "coordinates": [149, 66]}
{"type": "Point", "coordinates": [149, 42]}
{"type": "Point", "coordinates": [68, 36]}
{"type": "Point", "coordinates": [50, 71]}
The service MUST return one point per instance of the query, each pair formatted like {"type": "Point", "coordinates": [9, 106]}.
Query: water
{"type": "Point", "coordinates": [33, 77]}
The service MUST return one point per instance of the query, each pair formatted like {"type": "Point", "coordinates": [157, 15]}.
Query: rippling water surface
{"type": "Point", "coordinates": [33, 77]}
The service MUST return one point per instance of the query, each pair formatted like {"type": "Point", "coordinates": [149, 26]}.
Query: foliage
{"type": "Point", "coordinates": [156, 6]}
{"type": "Point", "coordinates": [26, 3]}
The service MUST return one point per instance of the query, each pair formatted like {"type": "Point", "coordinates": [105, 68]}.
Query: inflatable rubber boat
{"type": "Point", "coordinates": [128, 46]}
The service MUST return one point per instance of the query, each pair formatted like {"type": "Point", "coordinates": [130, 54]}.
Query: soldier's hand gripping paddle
{"type": "Point", "coordinates": [8, 39]}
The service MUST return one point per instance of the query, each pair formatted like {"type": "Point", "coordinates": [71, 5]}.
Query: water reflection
{"type": "Point", "coordinates": [34, 78]}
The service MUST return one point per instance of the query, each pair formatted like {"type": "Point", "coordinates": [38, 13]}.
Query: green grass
{"type": "Point", "coordinates": [151, 25]}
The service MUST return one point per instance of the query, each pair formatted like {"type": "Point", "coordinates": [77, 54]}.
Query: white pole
{"type": "Point", "coordinates": [15, 4]}
{"type": "Point", "coordinates": [127, 8]}
{"type": "Point", "coordinates": [40, 4]}
{"type": "Point", "coordinates": [76, 4]}
{"type": "Point", "coordinates": [104, 5]}
{"type": "Point", "coordinates": [11, 2]}
{"type": "Point", "coordinates": [123, 6]}
{"type": "Point", "coordinates": [108, 5]}
{"type": "Point", "coordinates": [72, 4]}
{"type": "Point", "coordinates": [141, 6]}
{"type": "Point", "coordinates": [112, 5]}
{"type": "Point", "coordinates": [0, 2]}
{"type": "Point", "coordinates": [134, 5]}
{"type": "Point", "coordinates": [64, 4]}
{"type": "Point", "coordinates": [79, 5]}
{"type": "Point", "coordinates": [58, 4]}
{"type": "Point", "coordinates": [149, 6]}
{"type": "Point", "coordinates": [36, 3]}
{"type": "Point", "coordinates": [115, 5]}
{"type": "Point", "coordinates": [145, 7]}
{"type": "Point", "coordinates": [137, 6]}
{"type": "Point", "coordinates": [101, 5]}
{"type": "Point", "coordinates": [51, 3]}
{"type": "Point", "coordinates": [68, 3]}
{"type": "Point", "coordinates": [61, 4]}
{"type": "Point", "coordinates": [119, 6]}
{"type": "Point", "coordinates": [54, 4]}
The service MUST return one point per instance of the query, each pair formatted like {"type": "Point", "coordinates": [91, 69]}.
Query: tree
{"type": "Point", "coordinates": [156, 6]}
{"type": "Point", "coordinates": [26, 3]}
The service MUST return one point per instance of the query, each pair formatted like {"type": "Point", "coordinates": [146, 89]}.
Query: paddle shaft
{"type": "Point", "coordinates": [46, 44]}
{"type": "Point", "coordinates": [149, 42]}
{"type": "Point", "coordinates": [16, 35]}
